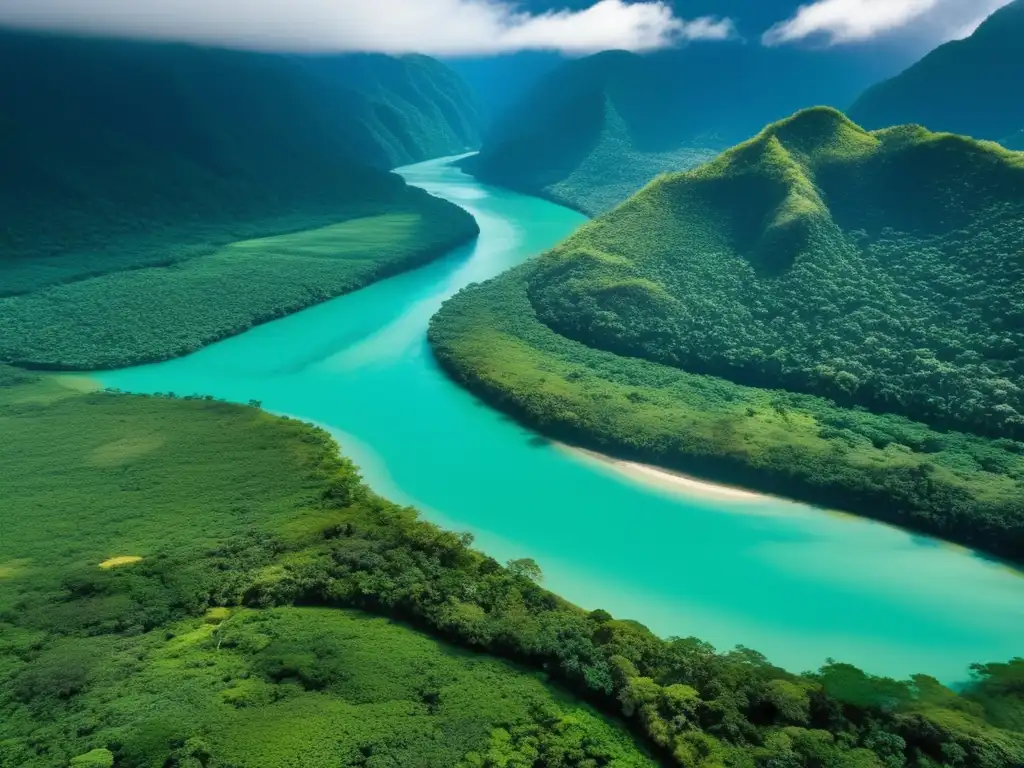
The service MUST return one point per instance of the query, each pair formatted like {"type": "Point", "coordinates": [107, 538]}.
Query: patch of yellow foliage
{"type": "Point", "coordinates": [120, 560]}
{"type": "Point", "coordinates": [216, 615]}
{"type": "Point", "coordinates": [11, 568]}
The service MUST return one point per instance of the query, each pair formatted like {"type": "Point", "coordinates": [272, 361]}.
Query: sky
{"type": "Point", "coordinates": [837, 22]}
{"type": "Point", "coordinates": [485, 27]}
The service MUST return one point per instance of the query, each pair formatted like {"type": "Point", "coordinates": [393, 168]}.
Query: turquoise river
{"type": "Point", "coordinates": [795, 583]}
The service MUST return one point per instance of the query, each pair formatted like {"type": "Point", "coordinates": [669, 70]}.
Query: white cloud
{"type": "Point", "coordinates": [441, 27]}
{"type": "Point", "coordinates": [849, 21]}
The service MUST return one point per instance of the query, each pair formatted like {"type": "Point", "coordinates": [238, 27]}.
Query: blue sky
{"type": "Point", "coordinates": [486, 27]}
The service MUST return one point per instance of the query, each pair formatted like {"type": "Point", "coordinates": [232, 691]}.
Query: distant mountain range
{"type": "Point", "coordinates": [103, 141]}
{"type": "Point", "coordinates": [966, 86]}
{"type": "Point", "coordinates": [810, 72]}
{"type": "Point", "coordinates": [594, 130]}
{"type": "Point", "coordinates": [590, 133]}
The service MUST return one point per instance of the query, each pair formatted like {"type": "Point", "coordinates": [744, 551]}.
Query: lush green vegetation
{"type": "Point", "coordinates": [137, 662]}
{"type": "Point", "coordinates": [129, 166]}
{"type": "Point", "coordinates": [300, 687]}
{"type": "Point", "coordinates": [875, 269]}
{"type": "Point", "coordinates": [958, 86]}
{"type": "Point", "coordinates": [191, 655]}
{"type": "Point", "coordinates": [861, 269]}
{"type": "Point", "coordinates": [156, 313]}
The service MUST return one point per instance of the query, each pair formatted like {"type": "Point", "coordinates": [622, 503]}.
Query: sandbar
{"type": "Point", "coordinates": [670, 479]}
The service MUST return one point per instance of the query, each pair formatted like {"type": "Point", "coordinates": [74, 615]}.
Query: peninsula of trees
{"type": "Point", "coordinates": [824, 312]}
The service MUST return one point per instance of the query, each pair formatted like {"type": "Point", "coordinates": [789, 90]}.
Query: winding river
{"type": "Point", "coordinates": [795, 583]}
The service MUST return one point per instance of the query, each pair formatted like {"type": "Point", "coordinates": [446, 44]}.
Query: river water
{"type": "Point", "coordinates": [795, 583]}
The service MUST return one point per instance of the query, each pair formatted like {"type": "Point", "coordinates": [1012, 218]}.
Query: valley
{"type": "Point", "coordinates": [147, 187]}
{"type": "Point", "coordinates": [361, 367]}
{"type": "Point", "coordinates": [585, 394]}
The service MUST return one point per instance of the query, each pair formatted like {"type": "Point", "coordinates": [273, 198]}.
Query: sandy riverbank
{"type": "Point", "coordinates": [669, 479]}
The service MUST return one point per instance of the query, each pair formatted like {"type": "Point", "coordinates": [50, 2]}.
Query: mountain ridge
{"type": "Point", "coordinates": [673, 109]}
{"type": "Point", "coordinates": [967, 73]}
{"type": "Point", "coordinates": [107, 139]}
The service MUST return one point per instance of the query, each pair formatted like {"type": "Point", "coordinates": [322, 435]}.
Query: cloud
{"type": "Point", "coordinates": [850, 21]}
{"type": "Point", "coordinates": [440, 27]}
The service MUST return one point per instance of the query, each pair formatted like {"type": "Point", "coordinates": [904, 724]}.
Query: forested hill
{"type": "Point", "coordinates": [155, 198]}
{"type": "Point", "coordinates": [960, 87]}
{"type": "Point", "coordinates": [822, 312]}
{"type": "Point", "coordinates": [100, 140]}
{"type": "Point", "coordinates": [594, 131]}
{"type": "Point", "coordinates": [878, 269]}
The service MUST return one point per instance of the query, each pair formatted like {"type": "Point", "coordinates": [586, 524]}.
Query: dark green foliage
{"type": "Point", "coordinates": [837, 277]}
{"type": "Point", "coordinates": [999, 688]}
{"type": "Point", "coordinates": [959, 87]}
{"type": "Point", "coordinates": [128, 167]}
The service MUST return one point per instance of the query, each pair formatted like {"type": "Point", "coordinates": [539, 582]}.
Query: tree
{"type": "Point", "coordinates": [526, 568]}
{"type": "Point", "coordinates": [97, 758]}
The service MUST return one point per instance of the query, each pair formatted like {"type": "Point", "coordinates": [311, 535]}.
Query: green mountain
{"type": "Point", "coordinates": [960, 87]}
{"type": "Point", "coordinates": [589, 134]}
{"type": "Point", "coordinates": [812, 313]}
{"type": "Point", "coordinates": [122, 157]}
{"type": "Point", "coordinates": [594, 131]}
{"type": "Point", "coordinates": [188, 583]}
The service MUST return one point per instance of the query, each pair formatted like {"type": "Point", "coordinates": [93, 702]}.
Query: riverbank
{"type": "Point", "coordinates": [671, 480]}
{"type": "Point", "coordinates": [137, 316]}
{"type": "Point", "coordinates": [868, 594]}
{"type": "Point", "coordinates": [878, 466]}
